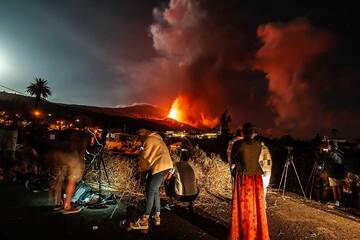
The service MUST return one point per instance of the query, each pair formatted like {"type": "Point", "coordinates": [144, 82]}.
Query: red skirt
{"type": "Point", "coordinates": [248, 218]}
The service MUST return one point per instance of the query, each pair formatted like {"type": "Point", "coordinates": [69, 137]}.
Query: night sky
{"type": "Point", "coordinates": [288, 67]}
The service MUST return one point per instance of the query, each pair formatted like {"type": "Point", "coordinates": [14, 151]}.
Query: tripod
{"type": "Point", "coordinates": [312, 178]}
{"type": "Point", "coordinates": [96, 161]}
{"type": "Point", "coordinates": [289, 160]}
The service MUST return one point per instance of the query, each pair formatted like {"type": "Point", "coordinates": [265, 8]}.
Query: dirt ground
{"type": "Point", "coordinates": [294, 218]}
{"type": "Point", "coordinates": [26, 215]}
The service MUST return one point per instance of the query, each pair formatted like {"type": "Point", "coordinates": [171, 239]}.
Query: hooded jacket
{"type": "Point", "coordinates": [155, 157]}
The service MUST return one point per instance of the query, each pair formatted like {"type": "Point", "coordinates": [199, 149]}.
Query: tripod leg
{"type": "Point", "coordinates": [88, 168]}
{"type": "Point", "coordinates": [106, 174]}
{"type": "Point", "coordinates": [310, 178]}
{"type": "Point", "coordinates": [282, 177]}
{"type": "Point", "coordinates": [99, 175]}
{"type": "Point", "coordinates": [285, 177]}
{"type": "Point", "coordinates": [312, 186]}
{"type": "Point", "coordinates": [297, 175]}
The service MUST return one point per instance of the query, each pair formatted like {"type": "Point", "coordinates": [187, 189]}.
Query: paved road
{"type": "Point", "coordinates": [26, 215]}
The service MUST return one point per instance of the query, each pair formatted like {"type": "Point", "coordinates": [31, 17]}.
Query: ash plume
{"type": "Point", "coordinates": [286, 52]}
{"type": "Point", "coordinates": [210, 56]}
{"type": "Point", "coordinates": [195, 57]}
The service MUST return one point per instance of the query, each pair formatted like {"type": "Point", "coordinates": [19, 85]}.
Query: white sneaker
{"type": "Point", "coordinates": [167, 207]}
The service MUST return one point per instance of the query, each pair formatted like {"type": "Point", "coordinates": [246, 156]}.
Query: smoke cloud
{"type": "Point", "coordinates": [288, 49]}
{"type": "Point", "coordinates": [196, 58]}
{"type": "Point", "coordinates": [210, 57]}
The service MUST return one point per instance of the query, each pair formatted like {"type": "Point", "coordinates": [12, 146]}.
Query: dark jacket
{"type": "Point", "coordinates": [245, 154]}
{"type": "Point", "coordinates": [335, 164]}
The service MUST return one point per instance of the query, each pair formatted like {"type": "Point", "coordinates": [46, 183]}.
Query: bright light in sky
{"type": "Point", "coordinates": [3, 64]}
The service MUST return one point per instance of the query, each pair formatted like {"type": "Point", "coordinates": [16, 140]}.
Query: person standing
{"type": "Point", "coordinates": [238, 136]}
{"type": "Point", "coordinates": [336, 171]}
{"type": "Point", "coordinates": [248, 217]}
{"type": "Point", "coordinates": [156, 161]}
{"type": "Point", "coordinates": [265, 161]}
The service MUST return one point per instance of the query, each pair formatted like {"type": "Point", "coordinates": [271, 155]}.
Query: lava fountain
{"type": "Point", "coordinates": [190, 112]}
{"type": "Point", "coordinates": [175, 111]}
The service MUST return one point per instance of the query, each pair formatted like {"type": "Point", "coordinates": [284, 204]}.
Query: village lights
{"type": "Point", "coordinates": [77, 120]}
{"type": "Point", "coordinates": [37, 113]}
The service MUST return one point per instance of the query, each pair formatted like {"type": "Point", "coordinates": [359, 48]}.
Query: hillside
{"type": "Point", "coordinates": [131, 117]}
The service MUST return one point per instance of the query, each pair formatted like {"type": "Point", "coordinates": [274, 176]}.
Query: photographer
{"type": "Point", "coordinates": [156, 161]}
{"type": "Point", "coordinates": [336, 171]}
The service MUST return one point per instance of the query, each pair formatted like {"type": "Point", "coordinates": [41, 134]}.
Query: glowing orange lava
{"type": "Point", "coordinates": [175, 111]}
{"type": "Point", "coordinates": [191, 112]}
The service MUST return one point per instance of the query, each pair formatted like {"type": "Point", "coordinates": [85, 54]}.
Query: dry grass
{"type": "Point", "coordinates": [122, 174]}
{"type": "Point", "coordinates": [212, 174]}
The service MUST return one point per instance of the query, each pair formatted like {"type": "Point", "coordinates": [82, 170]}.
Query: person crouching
{"type": "Point", "coordinates": [181, 183]}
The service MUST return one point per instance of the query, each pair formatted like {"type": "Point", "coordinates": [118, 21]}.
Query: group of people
{"type": "Point", "coordinates": [180, 181]}
{"type": "Point", "coordinates": [250, 165]}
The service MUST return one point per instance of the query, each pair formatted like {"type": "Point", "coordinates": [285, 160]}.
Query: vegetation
{"type": "Point", "coordinates": [39, 89]}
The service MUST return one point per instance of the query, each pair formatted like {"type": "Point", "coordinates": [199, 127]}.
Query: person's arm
{"type": "Point", "coordinates": [144, 156]}
{"type": "Point", "coordinates": [170, 174]}
{"type": "Point", "coordinates": [265, 159]}
{"type": "Point", "coordinates": [234, 152]}
{"type": "Point", "coordinates": [228, 151]}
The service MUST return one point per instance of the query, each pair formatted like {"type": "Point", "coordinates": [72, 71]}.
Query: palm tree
{"type": "Point", "coordinates": [40, 89]}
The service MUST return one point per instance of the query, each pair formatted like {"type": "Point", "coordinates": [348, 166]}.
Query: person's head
{"type": "Point", "coordinates": [333, 145]}
{"type": "Point", "coordinates": [185, 155]}
{"type": "Point", "coordinates": [143, 132]}
{"type": "Point", "coordinates": [238, 132]}
{"type": "Point", "coordinates": [249, 130]}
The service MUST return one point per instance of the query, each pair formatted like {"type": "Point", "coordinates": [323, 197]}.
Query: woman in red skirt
{"type": "Point", "coordinates": [248, 220]}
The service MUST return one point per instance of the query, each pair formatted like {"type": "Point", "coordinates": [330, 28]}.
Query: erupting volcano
{"type": "Point", "coordinates": [192, 113]}
{"type": "Point", "coordinates": [175, 111]}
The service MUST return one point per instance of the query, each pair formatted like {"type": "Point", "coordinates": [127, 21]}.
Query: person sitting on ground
{"type": "Point", "coordinates": [181, 182]}
{"type": "Point", "coordinates": [336, 171]}
{"type": "Point", "coordinates": [156, 161]}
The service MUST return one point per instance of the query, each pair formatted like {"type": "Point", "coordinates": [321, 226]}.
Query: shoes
{"type": "Point", "coordinates": [57, 207]}
{"type": "Point", "coordinates": [168, 207]}
{"type": "Point", "coordinates": [337, 203]}
{"type": "Point", "coordinates": [71, 210]}
{"type": "Point", "coordinates": [157, 219]}
{"type": "Point", "coordinates": [141, 224]}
